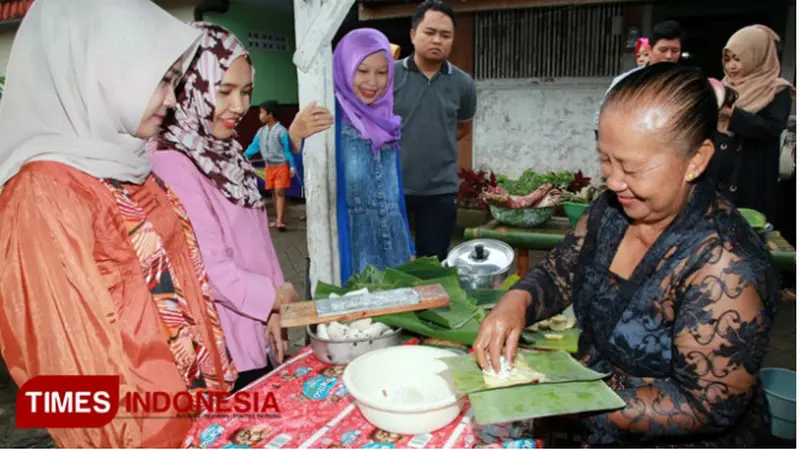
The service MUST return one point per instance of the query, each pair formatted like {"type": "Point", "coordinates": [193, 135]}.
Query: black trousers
{"type": "Point", "coordinates": [432, 219]}
{"type": "Point", "coordinates": [248, 376]}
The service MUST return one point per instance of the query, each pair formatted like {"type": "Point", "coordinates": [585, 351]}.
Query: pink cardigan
{"type": "Point", "coordinates": [237, 250]}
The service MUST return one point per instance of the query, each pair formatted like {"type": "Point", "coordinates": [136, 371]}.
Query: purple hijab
{"type": "Point", "coordinates": [376, 122]}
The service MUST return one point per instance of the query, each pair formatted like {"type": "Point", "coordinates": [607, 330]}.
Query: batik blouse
{"type": "Point", "coordinates": [683, 337]}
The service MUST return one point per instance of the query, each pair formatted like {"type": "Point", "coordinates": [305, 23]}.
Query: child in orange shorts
{"type": "Point", "coordinates": [272, 141]}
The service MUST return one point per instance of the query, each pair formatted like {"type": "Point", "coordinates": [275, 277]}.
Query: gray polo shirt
{"type": "Point", "coordinates": [431, 111]}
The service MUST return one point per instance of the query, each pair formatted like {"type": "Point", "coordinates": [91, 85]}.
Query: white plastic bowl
{"type": "Point", "coordinates": [404, 389]}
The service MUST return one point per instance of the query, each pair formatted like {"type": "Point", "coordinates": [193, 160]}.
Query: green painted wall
{"type": "Point", "coordinates": [276, 75]}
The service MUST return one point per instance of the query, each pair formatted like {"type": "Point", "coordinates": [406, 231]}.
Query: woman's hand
{"type": "Point", "coordinates": [276, 337]}
{"type": "Point", "coordinates": [502, 328]}
{"type": "Point", "coordinates": [309, 121]}
{"type": "Point", "coordinates": [285, 294]}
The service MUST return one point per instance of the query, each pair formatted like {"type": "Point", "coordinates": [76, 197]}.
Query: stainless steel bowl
{"type": "Point", "coordinates": [342, 352]}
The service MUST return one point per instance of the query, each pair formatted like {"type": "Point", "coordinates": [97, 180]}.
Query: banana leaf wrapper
{"type": "Point", "coordinates": [557, 367]}
{"type": "Point", "coordinates": [542, 400]}
{"type": "Point", "coordinates": [536, 339]}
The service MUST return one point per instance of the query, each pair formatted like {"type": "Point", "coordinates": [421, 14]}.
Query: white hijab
{"type": "Point", "coordinates": [80, 76]}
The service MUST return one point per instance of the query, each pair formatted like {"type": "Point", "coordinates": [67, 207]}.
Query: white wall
{"type": "Point", "coordinates": [543, 125]}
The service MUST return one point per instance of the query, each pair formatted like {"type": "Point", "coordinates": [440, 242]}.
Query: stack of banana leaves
{"type": "Point", "coordinates": [457, 322]}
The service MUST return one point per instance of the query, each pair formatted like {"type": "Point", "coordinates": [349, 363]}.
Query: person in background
{"type": "Point", "coordinates": [642, 51]}
{"type": "Point", "coordinates": [371, 213]}
{"type": "Point", "coordinates": [673, 291]}
{"type": "Point", "coordinates": [197, 154]}
{"type": "Point", "coordinates": [665, 46]}
{"type": "Point", "coordinates": [436, 101]}
{"type": "Point", "coordinates": [99, 268]}
{"type": "Point", "coordinates": [748, 141]}
{"type": "Point", "coordinates": [272, 142]}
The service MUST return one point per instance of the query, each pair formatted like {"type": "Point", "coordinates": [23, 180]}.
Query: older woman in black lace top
{"type": "Point", "coordinates": [673, 291]}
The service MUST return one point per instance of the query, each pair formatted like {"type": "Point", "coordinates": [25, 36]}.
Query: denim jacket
{"type": "Point", "coordinates": [371, 213]}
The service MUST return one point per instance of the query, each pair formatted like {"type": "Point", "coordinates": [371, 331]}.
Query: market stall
{"type": "Point", "coordinates": [549, 234]}
{"type": "Point", "coordinates": [316, 411]}
{"type": "Point", "coordinates": [328, 394]}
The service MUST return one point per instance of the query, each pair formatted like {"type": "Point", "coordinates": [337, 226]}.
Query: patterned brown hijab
{"type": "Point", "coordinates": [190, 129]}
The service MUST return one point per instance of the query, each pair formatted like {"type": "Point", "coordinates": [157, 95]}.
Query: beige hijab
{"type": "Point", "coordinates": [760, 77]}
{"type": "Point", "coordinates": [80, 76]}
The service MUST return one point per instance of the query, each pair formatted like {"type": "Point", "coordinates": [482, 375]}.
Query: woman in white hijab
{"type": "Point", "coordinates": [99, 268]}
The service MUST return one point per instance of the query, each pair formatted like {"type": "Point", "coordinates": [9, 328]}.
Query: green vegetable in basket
{"type": "Point", "coordinates": [530, 180]}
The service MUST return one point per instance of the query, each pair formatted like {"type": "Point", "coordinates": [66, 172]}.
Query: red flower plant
{"type": "Point", "coordinates": [471, 184]}
{"type": "Point", "coordinates": [578, 183]}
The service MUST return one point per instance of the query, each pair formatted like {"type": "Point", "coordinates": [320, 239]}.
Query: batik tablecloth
{"type": "Point", "coordinates": [317, 412]}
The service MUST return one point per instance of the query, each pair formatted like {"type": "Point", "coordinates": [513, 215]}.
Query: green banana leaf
{"type": "Point", "coordinates": [410, 321]}
{"type": "Point", "coordinates": [398, 278]}
{"type": "Point", "coordinates": [485, 298]}
{"type": "Point", "coordinates": [460, 309]}
{"type": "Point", "coordinates": [557, 367]}
{"type": "Point", "coordinates": [569, 343]}
{"type": "Point", "coordinates": [427, 268]}
{"type": "Point", "coordinates": [324, 290]}
{"type": "Point", "coordinates": [370, 276]}
{"type": "Point", "coordinates": [458, 322]}
{"type": "Point", "coordinates": [542, 400]}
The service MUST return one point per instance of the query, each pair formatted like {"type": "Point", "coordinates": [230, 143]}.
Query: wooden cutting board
{"type": "Point", "coordinates": [365, 305]}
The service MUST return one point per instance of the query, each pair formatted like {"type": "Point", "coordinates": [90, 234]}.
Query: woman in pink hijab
{"type": "Point", "coordinates": [198, 156]}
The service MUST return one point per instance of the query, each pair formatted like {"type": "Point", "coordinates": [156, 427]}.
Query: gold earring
{"type": "Point", "coordinates": [690, 176]}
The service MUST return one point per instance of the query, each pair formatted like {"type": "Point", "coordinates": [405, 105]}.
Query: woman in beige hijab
{"type": "Point", "coordinates": [747, 147]}
{"type": "Point", "coordinates": [99, 268]}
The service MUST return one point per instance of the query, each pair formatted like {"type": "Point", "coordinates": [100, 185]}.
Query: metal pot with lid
{"type": "Point", "coordinates": [481, 263]}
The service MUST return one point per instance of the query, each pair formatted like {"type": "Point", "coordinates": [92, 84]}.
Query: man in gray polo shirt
{"type": "Point", "coordinates": [436, 100]}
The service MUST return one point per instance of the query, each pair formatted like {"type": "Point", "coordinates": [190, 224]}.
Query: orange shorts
{"type": "Point", "coordinates": [277, 177]}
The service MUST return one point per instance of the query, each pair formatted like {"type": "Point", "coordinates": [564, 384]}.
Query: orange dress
{"type": "Point", "coordinates": [75, 301]}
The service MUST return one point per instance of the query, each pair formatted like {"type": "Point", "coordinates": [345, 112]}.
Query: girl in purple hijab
{"type": "Point", "coordinates": [371, 212]}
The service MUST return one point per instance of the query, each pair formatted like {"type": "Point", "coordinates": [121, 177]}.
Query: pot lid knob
{"type": "Point", "coordinates": [480, 253]}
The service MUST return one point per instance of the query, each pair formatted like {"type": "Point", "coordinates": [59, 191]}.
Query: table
{"type": "Point", "coordinates": [548, 235]}
{"type": "Point", "coordinates": [317, 412]}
